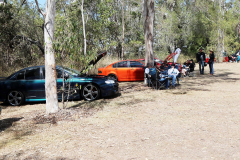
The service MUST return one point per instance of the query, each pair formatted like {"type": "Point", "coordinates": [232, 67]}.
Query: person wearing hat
{"type": "Point", "coordinates": [211, 60]}
{"type": "Point", "coordinates": [201, 59]}
{"type": "Point", "coordinates": [172, 73]}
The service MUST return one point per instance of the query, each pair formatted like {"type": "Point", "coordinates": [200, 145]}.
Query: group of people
{"type": "Point", "coordinates": [236, 57]}
{"type": "Point", "coordinates": [201, 58]}
{"type": "Point", "coordinates": [170, 72]}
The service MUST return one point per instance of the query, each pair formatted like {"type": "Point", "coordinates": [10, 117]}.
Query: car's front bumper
{"type": "Point", "coordinates": [109, 90]}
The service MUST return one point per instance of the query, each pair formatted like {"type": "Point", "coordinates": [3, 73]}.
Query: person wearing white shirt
{"type": "Point", "coordinates": [172, 73]}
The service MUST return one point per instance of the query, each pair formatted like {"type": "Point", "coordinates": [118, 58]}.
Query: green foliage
{"type": "Point", "coordinates": [19, 35]}
{"type": "Point", "coordinates": [183, 23]}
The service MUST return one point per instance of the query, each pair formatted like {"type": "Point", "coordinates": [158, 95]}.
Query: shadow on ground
{"type": "Point", "coordinates": [24, 155]}
{"type": "Point", "coordinates": [190, 83]}
{"type": "Point", "coordinates": [8, 122]}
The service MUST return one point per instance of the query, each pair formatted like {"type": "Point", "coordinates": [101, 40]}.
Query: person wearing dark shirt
{"type": "Point", "coordinates": [211, 60]}
{"type": "Point", "coordinates": [201, 59]}
{"type": "Point", "coordinates": [230, 59]}
{"type": "Point", "coordinates": [191, 66]}
{"type": "Point", "coordinates": [162, 67]}
{"type": "Point", "coordinates": [185, 64]}
{"type": "Point", "coordinates": [188, 68]}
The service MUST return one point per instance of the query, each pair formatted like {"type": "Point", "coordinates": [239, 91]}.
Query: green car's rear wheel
{"type": "Point", "coordinates": [15, 98]}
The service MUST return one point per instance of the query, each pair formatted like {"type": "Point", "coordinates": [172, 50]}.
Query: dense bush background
{"type": "Point", "coordinates": [186, 24]}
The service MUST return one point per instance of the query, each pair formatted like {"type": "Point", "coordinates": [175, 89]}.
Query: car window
{"type": "Point", "coordinates": [58, 71]}
{"type": "Point", "coordinates": [43, 72]}
{"type": "Point", "coordinates": [72, 72]}
{"type": "Point", "coordinates": [20, 75]}
{"type": "Point", "coordinates": [135, 64]}
{"type": "Point", "coordinates": [120, 64]}
{"type": "Point", "coordinates": [32, 73]}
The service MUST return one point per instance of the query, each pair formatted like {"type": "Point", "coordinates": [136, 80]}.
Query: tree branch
{"type": "Point", "coordinates": [42, 27]}
{"type": "Point", "coordinates": [39, 10]}
{"type": "Point", "coordinates": [32, 41]}
{"type": "Point", "coordinates": [23, 2]}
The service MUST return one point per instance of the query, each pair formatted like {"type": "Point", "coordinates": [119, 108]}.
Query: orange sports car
{"type": "Point", "coordinates": [125, 70]}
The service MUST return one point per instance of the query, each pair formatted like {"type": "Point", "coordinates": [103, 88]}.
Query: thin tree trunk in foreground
{"type": "Point", "coordinates": [148, 22]}
{"type": "Point", "coordinates": [50, 67]}
{"type": "Point", "coordinates": [123, 26]}
{"type": "Point", "coordinates": [84, 34]}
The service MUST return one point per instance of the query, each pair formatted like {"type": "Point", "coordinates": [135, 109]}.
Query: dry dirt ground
{"type": "Point", "coordinates": [198, 120]}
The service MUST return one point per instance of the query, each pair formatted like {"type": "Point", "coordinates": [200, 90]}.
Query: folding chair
{"type": "Point", "coordinates": [151, 76]}
{"type": "Point", "coordinates": [190, 73]}
{"type": "Point", "coordinates": [162, 81]}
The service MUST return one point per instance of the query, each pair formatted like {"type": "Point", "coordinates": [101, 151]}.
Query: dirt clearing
{"type": "Point", "coordinates": [197, 120]}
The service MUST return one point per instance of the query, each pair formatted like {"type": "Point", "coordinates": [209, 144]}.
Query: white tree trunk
{"type": "Point", "coordinates": [220, 32]}
{"type": "Point", "coordinates": [123, 26]}
{"type": "Point", "coordinates": [148, 22]}
{"type": "Point", "coordinates": [84, 34]}
{"type": "Point", "coordinates": [50, 66]}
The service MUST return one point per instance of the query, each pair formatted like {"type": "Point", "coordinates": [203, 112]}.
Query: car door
{"type": "Point", "coordinates": [136, 71]}
{"type": "Point", "coordinates": [122, 69]}
{"type": "Point", "coordinates": [59, 72]}
{"type": "Point", "coordinates": [60, 81]}
{"type": "Point", "coordinates": [15, 83]}
{"type": "Point", "coordinates": [34, 84]}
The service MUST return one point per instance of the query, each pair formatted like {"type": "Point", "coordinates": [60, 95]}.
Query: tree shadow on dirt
{"type": "Point", "coordinates": [6, 105]}
{"type": "Point", "coordinates": [8, 122]}
{"type": "Point", "coordinates": [24, 155]}
{"type": "Point", "coordinates": [83, 103]}
{"type": "Point", "coordinates": [132, 101]}
{"type": "Point", "coordinates": [202, 80]}
{"type": "Point", "coordinates": [94, 104]}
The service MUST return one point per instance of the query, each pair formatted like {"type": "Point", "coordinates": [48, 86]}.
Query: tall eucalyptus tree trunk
{"type": "Point", "coordinates": [238, 29]}
{"type": "Point", "coordinates": [123, 27]}
{"type": "Point", "coordinates": [148, 22]}
{"type": "Point", "coordinates": [220, 46]}
{"type": "Point", "coordinates": [84, 32]}
{"type": "Point", "coordinates": [50, 66]}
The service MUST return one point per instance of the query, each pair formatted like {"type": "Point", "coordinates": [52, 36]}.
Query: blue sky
{"type": "Point", "coordinates": [40, 2]}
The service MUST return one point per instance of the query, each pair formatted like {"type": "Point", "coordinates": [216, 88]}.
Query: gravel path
{"type": "Point", "coordinates": [197, 120]}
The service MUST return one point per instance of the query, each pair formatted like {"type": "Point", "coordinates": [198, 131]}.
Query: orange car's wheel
{"type": "Point", "coordinates": [112, 76]}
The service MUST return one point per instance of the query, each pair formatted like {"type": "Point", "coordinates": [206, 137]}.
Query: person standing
{"type": "Point", "coordinates": [175, 57]}
{"type": "Point", "coordinates": [211, 61]}
{"type": "Point", "coordinates": [201, 59]}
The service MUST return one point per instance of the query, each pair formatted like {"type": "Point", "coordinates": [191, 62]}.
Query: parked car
{"type": "Point", "coordinates": [125, 70]}
{"type": "Point", "coordinates": [28, 85]}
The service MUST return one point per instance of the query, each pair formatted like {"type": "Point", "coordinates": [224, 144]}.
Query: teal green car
{"type": "Point", "coordinates": [28, 85]}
